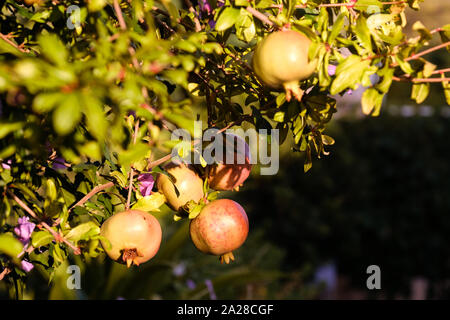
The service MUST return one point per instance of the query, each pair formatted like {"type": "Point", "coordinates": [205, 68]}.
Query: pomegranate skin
{"type": "Point", "coordinates": [187, 182]}
{"type": "Point", "coordinates": [229, 176]}
{"type": "Point", "coordinates": [132, 230]}
{"type": "Point", "coordinates": [281, 60]}
{"type": "Point", "coordinates": [221, 227]}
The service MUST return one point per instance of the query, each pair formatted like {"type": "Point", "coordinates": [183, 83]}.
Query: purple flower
{"type": "Point", "coordinates": [190, 284]}
{"type": "Point", "coordinates": [24, 229]}
{"type": "Point", "coordinates": [7, 165]}
{"type": "Point", "coordinates": [26, 266]}
{"type": "Point", "coordinates": [327, 275]}
{"type": "Point", "coordinates": [331, 70]}
{"type": "Point", "coordinates": [179, 270]}
{"type": "Point", "coordinates": [205, 6]}
{"type": "Point", "coordinates": [58, 163]}
{"type": "Point", "coordinates": [146, 183]}
{"type": "Point", "coordinates": [209, 286]}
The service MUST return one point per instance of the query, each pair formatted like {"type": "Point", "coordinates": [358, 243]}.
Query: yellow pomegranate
{"type": "Point", "coordinates": [281, 61]}
{"type": "Point", "coordinates": [134, 235]}
{"type": "Point", "coordinates": [186, 186]}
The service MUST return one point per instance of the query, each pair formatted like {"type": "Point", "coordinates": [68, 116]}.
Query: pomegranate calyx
{"type": "Point", "coordinates": [226, 257]}
{"type": "Point", "coordinates": [129, 256]}
{"type": "Point", "coordinates": [293, 89]}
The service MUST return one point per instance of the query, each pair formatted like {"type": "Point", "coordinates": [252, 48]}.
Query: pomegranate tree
{"type": "Point", "coordinates": [281, 61]}
{"type": "Point", "coordinates": [229, 176]}
{"type": "Point", "coordinates": [133, 236]}
{"type": "Point", "coordinates": [183, 185]}
{"type": "Point", "coordinates": [220, 228]}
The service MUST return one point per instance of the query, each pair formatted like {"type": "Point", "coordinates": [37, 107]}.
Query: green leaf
{"type": "Point", "coordinates": [337, 28]}
{"type": "Point", "coordinates": [10, 246]}
{"type": "Point", "coordinates": [227, 18]}
{"type": "Point", "coordinates": [195, 211]}
{"type": "Point", "coordinates": [371, 102]}
{"type": "Point", "coordinates": [446, 87]}
{"type": "Point", "coordinates": [45, 102]}
{"type": "Point", "coordinates": [387, 73]}
{"type": "Point", "coordinates": [420, 92]}
{"type": "Point", "coordinates": [135, 153]}
{"type": "Point", "coordinates": [41, 238]}
{"type": "Point", "coordinates": [245, 27]}
{"type": "Point", "coordinates": [83, 231]}
{"type": "Point", "coordinates": [95, 117]}
{"type": "Point", "coordinates": [7, 128]}
{"type": "Point", "coordinates": [53, 49]}
{"type": "Point", "coordinates": [279, 116]}
{"type": "Point", "coordinates": [67, 115]}
{"type": "Point", "coordinates": [327, 140]}
{"type": "Point", "coordinates": [120, 178]}
{"type": "Point", "coordinates": [150, 203]}
{"type": "Point", "coordinates": [363, 33]}
{"type": "Point", "coordinates": [349, 72]}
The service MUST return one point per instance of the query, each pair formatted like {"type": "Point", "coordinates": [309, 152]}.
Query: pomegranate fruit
{"type": "Point", "coordinates": [229, 176]}
{"type": "Point", "coordinates": [134, 236]}
{"type": "Point", "coordinates": [186, 185]}
{"type": "Point", "coordinates": [281, 61]}
{"type": "Point", "coordinates": [220, 228]}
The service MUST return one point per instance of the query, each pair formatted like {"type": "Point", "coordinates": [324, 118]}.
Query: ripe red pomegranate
{"type": "Point", "coordinates": [281, 61]}
{"type": "Point", "coordinates": [229, 176]}
{"type": "Point", "coordinates": [186, 186]}
{"type": "Point", "coordinates": [134, 235]}
{"type": "Point", "coordinates": [220, 228]}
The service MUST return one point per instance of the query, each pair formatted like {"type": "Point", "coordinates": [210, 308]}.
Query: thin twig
{"type": "Point", "coordinates": [417, 55]}
{"type": "Point", "coordinates": [159, 161]}
{"type": "Point", "coordinates": [330, 5]}
{"type": "Point", "coordinates": [119, 14]}
{"type": "Point", "coordinates": [12, 43]}
{"type": "Point", "coordinates": [441, 71]}
{"type": "Point", "coordinates": [91, 193]}
{"type": "Point", "coordinates": [198, 26]}
{"type": "Point", "coordinates": [130, 187]}
{"type": "Point", "coordinates": [58, 237]}
{"type": "Point", "coordinates": [4, 273]}
{"type": "Point", "coordinates": [259, 15]}
{"type": "Point", "coordinates": [419, 80]}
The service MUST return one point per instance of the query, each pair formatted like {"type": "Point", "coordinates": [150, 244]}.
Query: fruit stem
{"type": "Point", "coordinates": [293, 89]}
{"type": "Point", "coordinates": [227, 257]}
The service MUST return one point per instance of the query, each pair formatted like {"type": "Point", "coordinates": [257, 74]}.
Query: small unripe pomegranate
{"type": "Point", "coordinates": [220, 228]}
{"type": "Point", "coordinates": [134, 235]}
{"type": "Point", "coordinates": [281, 61]}
{"type": "Point", "coordinates": [229, 176]}
{"type": "Point", "coordinates": [186, 186]}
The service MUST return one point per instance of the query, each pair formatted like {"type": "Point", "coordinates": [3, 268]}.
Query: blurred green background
{"type": "Point", "coordinates": [381, 197]}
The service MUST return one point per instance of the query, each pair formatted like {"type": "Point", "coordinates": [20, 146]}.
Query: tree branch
{"type": "Point", "coordinates": [91, 194]}
{"type": "Point", "coordinates": [417, 55]}
{"type": "Point", "coordinates": [259, 15]}
{"type": "Point", "coordinates": [130, 186]}
{"type": "Point", "coordinates": [12, 43]}
{"type": "Point", "coordinates": [419, 80]}
{"type": "Point", "coordinates": [198, 26]}
{"type": "Point", "coordinates": [58, 236]}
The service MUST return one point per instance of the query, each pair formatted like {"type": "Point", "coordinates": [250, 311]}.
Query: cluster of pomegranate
{"type": "Point", "coordinates": [280, 61]}
{"type": "Point", "coordinates": [221, 226]}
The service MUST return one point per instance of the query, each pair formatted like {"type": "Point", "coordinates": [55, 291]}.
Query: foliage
{"type": "Point", "coordinates": [90, 90]}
